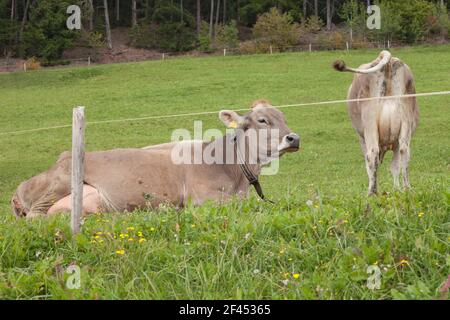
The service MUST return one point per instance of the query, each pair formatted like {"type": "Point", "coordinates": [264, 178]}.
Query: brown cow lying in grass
{"type": "Point", "coordinates": [128, 179]}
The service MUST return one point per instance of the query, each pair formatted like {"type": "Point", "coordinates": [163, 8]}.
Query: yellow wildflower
{"type": "Point", "coordinates": [142, 240]}
{"type": "Point", "coordinates": [420, 214]}
{"type": "Point", "coordinates": [120, 252]}
{"type": "Point", "coordinates": [130, 239]}
{"type": "Point", "coordinates": [130, 228]}
{"type": "Point", "coordinates": [152, 229]}
{"type": "Point", "coordinates": [404, 262]}
{"type": "Point", "coordinates": [296, 275]}
{"type": "Point", "coordinates": [140, 234]}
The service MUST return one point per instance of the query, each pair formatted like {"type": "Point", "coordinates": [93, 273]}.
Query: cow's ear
{"type": "Point", "coordinates": [230, 118]}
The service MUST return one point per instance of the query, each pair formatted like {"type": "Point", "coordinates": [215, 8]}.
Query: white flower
{"type": "Point", "coordinates": [309, 203]}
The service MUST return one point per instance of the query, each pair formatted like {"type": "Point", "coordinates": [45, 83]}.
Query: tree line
{"type": "Point", "coordinates": [37, 27]}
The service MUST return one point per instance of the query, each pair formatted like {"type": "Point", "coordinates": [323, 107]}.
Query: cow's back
{"type": "Point", "coordinates": [387, 115]}
{"type": "Point", "coordinates": [133, 178]}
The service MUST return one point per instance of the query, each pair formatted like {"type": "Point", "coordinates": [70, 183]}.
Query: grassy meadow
{"type": "Point", "coordinates": [316, 242]}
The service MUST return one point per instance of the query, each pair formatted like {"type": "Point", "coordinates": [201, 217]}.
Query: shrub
{"type": "Point", "coordinates": [96, 39]}
{"type": "Point", "coordinates": [359, 42]}
{"type": "Point", "coordinates": [204, 41]}
{"type": "Point", "coordinates": [331, 40]}
{"type": "Point", "coordinates": [32, 63]}
{"type": "Point", "coordinates": [404, 20]}
{"type": "Point", "coordinates": [276, 29]}
{"type": "Point", "coordinates": [46, 35]}
{"type": "Point", "coordinates": [337, 40]}
{"type": "Point", "coordinates": [142, 36]}
{"type": "Point", "coordinates": [438, 23]}
{"type": "Point", "coordinates": [227, 36]}
{"type": "Point", "coordinates": [172, 29]}
{"type": "Point", "coordinates": [174, 36]}
{"type": "Point", "coordinates": [8, 31]}
{"type": "Point", "coordinates": [313, 24]}
{"type": "Point", "coordinates": [253, 47]}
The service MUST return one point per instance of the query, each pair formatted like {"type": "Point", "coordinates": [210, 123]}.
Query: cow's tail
{"type": "Point", "coordinates": [377, 65]}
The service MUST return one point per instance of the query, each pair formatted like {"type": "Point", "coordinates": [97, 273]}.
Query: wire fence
{"type": "Point", "coordinates": [319, 103]}
{"type": "Point", "coordinates": [16, 65]}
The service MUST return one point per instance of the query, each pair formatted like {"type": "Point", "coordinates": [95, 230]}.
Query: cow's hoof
{"type": "Point", "coordinates": [17, 208]}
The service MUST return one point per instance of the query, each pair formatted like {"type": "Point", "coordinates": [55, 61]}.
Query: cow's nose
{"type": "Point", "coordinates": [293, 139]}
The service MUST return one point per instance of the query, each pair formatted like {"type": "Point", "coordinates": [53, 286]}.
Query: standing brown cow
{"type": "Point", "coordinates": [384, 124]}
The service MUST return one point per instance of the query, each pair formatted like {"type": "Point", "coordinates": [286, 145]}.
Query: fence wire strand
{"type": "Point", "coordinates": [427, 94]}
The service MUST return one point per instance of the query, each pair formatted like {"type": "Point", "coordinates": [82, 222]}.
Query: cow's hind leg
{"type": "Point", "coordinates": [372, 158]}
{"type": "Point", "coordinates": [395, 167]}
{"type": "Point", "coordinates": [405, 154]}
{"type": "Point", "coordinates": [91, 202]}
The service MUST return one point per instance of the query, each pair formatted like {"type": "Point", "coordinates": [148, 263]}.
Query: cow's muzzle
{"type": "Point", "coordinates": [290, 143]}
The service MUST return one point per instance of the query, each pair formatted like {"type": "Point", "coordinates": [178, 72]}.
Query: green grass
{"type": "Point", "coordinates": [244, 249]}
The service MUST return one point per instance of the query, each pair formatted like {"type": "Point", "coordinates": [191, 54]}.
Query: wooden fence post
{"type": "Point", "coordinates": [346, 44]}
{"type": "Point", "coordinates": [163, 56]}
{"type": "Point", "coordinates": [224, 52]}
{"type": "Point", "coordinates": [271, 49]}
{"type": "Point", "coordinates": [89, 60]}
{"type": "Point", "coordinates": [78, 126]}
{"type": "Point", "coordinates": [25, 66]}
{"type": "Point", "coordinates": [310, 47]}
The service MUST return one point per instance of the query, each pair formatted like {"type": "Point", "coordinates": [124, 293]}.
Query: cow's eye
{"type": "Point", "coordinates": [262, 120]}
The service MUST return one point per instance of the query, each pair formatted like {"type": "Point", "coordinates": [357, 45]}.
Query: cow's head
{"type": "Point", "coordinates": [263, 131]}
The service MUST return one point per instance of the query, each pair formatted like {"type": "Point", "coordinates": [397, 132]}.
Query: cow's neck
{"type": "Point", "coordinates": [226, 145]}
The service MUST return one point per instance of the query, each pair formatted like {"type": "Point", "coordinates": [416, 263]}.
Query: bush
{"type": "Point", "coordinates": [253, 47]}
{"type": "Point", "coordinates": [331, 40]}
{"type": "Point", "coordinates": [313, 24]}
{"type": "Point", "coordinates": [142, 36]}
{"type": "Point", "coordinates": [227, 36]}
{"type": "Point", "coordinates": [438, 23]}
{"type": "Point", "coordinates": [32, 64]}
{"type": "Point", "coordinates": [96, 39]}
{"type": "Point", "coordinates": [46, 35]}
{"type": "Point", "coordinates": [8, 31]}
{"type": "Point", "coordinates": [204, 42]}
{"type": "Point", "coordinates": [359, 42]}
{"type": "Point", "coordinates": [171, 30]}
{"type": "Point", "coordinates": [175, 37]}
{"type": "Point", "coordinates": [53, 63]}
{"type": "Point", "coordinates": [276, 29]}
{"type": "Point", "coordinates": [403, 20]}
